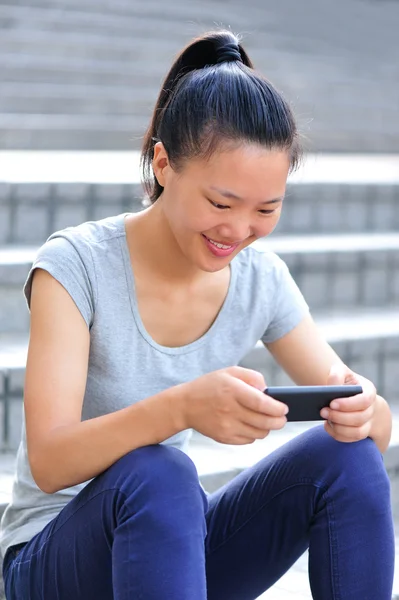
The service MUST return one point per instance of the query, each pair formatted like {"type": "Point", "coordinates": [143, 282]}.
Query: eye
{"type": "Point", "coordinates": [219, 206]}
{"type": "Point", "coordinates": [267, 212]}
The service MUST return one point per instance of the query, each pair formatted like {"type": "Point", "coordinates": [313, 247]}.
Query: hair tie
{"type": "Point", "coordinates": [228, 53]}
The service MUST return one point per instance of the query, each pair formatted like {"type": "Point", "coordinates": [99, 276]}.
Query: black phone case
{"type": "Point", "coordinates": [306, 402]}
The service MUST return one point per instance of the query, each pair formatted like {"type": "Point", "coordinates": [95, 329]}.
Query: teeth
{"type": "Point", "coordinates": [220, 245]}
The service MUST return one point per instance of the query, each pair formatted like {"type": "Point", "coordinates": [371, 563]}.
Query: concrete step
{"type": "Point", "coordinates": [62, 92]}
{"type": "Point", "coordinates": [74, 139]}
{"type": "Point", "coordinates": [129, 24]}
{"type": "Point", "coordinates": [368, 341]}
{"type": "Point", "coordinates": [333, 272]}
{"type": "Point", "coordinates": [54, 69]}
{"type": "Point", "coordinates": [319, 207]}
{"type": "Point", "coordinates": [82, 96]}
{"type": "Point", "coordinates": [93, 45]}
{"type": "Point", "coordinates": [41, 192]}
{"type": "Point", "coordinates": [26, 105]}
{"type": "Point", "coordinates": [337, 271]}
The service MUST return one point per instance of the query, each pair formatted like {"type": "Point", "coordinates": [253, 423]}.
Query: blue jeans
{"type": "Point", "coordinates": [144, 529]}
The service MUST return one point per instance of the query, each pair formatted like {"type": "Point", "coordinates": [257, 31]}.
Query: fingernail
{"type": "Point", "coordinates": [324, 413]}
{"type": "Point", "coordinates": [286, 410]}
{"type": "Point", "coordinates": [331, 424]}
{"type": "Point", "coordinates": [334, 404]}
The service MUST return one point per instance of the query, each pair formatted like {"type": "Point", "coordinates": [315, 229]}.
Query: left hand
{"type": "Point", "coordinates": [350, 419]}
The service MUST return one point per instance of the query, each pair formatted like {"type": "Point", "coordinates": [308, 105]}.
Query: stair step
{"type": "Point", "coordinates": [63, 139]}
{"type": "Point", "coordinates": [109, 23]}
{"type": "Point", "coordinates": [368, 341]}
{"type": "Point", "coordinates": [92, 45]}
{"type": "Point", "coordinates": [53, 69]}
{"type": "Point", "coordinates": [53, 206]}
{"type": "Point", "coordinates": [333, 272]}
{"type": "Point", "coordinates": [23, 166]}
{"type": "Point", "coordinates": [41, 192]}
{"type": "Point", "coordinates": [76, 91]}
{"type": "Point", "coordinates": [26, 106]}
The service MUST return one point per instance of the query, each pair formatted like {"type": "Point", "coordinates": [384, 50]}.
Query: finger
{"type": "Point", "coordinates": [249, 376]}
{"type": "Point", "coordinates": [253, 432]}
{"type": "Point", "coordinates": [263, 422]}
{"type": "Point", "coordinates": [329, 428]}
{"type": "Point", "coordinates": [255, 400]}
{"type": "Point", "coordinates": [271, 407]}
{"type": "Point", "coordinates": [350, 419]}
{"type": "Point", "coordinates": [352, 403]}
{"type": "Point", "coordinates": [241, 440]}
{"type": "Point", "coordinates": [343, 433]}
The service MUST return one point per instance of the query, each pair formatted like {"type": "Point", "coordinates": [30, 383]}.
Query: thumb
{"type": "Point", "coordinates": [337, 375]}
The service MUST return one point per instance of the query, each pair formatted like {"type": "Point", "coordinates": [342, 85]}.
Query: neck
{"type": "Point", "coordinates": [153, 245]}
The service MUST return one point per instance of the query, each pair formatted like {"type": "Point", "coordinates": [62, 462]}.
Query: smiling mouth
{"type": "Point", "coordinates": [220, 245]}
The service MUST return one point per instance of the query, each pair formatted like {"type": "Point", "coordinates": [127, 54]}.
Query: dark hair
{"type": "Point", "coordinates": [212, 96]}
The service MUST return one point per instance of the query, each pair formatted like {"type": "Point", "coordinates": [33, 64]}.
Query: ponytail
{"type": "Point", "coordinates": [212, 94]}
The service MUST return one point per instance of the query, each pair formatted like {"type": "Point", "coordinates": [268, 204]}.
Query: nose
{"type": "Point", "coordinates": [236, 230]}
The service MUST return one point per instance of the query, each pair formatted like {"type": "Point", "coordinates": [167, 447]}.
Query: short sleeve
{"type": "Point", "coordinates": [72, 268]}
{"type": "Point", "coordinates": [289, 305]}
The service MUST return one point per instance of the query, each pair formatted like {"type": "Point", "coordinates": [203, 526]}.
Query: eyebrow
{"type": "Point", "coordinates": [231, 195]}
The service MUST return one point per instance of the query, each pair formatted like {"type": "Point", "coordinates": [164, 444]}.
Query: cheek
{"type": "Point", "coordinates": [266, 225]}
{"type": "Point", "coordinates": [199, 218]}
{"type": "Point", "coordinates": [188, 218]}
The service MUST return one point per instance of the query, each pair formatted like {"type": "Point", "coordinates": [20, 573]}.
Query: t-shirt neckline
{"type": "Point", "coordinates": [192, 346]}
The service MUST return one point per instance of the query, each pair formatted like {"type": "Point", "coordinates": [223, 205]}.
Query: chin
{"type": "Point", "coordinates": [213, 266]}
{"type": "Point", "coordinates": [214, 269]}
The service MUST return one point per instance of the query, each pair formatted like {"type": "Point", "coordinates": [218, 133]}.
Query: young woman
{"type": "Point", "coordinates": [137, 324]}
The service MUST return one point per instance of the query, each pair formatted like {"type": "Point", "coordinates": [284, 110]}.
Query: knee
{"type": "Point", "coordinates": [357, 466]}
{"type": "Point", "coordinates": [160, 470]}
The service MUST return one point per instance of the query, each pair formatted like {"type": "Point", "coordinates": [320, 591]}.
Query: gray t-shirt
{"type": "Point", "coordinates": [126, 365]}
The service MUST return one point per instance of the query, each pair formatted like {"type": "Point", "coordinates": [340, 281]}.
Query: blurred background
{"type": "Point", "coordinates": [78, 82]}
{"type": "Point", "coordinates": [84, 74]}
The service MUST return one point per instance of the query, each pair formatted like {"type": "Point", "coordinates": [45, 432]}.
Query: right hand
{"type": "Point", "coordinates": [230, 407]}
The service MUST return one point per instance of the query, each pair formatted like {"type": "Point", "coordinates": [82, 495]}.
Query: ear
{"type": "Point", "coordinates": [160, 163]}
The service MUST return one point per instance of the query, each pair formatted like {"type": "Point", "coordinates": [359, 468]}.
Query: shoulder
{"type": "Point", "coordinates": [89, 234]}
{"type": "Point", "coordinates": [68, 246]}
{"type": "Point", "coordinates": [70, 255]}
{"type": "Point", "coordinates": [257, 265]}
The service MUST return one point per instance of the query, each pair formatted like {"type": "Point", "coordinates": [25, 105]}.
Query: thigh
{"type": "Point", "coordinates": [72, 556]}
{"type": "Point", "coordinates": [134, 530]}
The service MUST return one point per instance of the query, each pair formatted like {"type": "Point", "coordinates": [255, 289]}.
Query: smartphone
{"type": "Point", "coordinates": [306, 402]}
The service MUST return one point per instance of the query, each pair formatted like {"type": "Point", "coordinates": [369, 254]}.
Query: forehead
{"type": "Point", "coordinates": [244, 170]}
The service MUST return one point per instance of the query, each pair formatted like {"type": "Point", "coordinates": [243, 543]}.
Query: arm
{"type": "Point", "coordinates": [63, 450]}
{"type": "Point", "coordinates": [309, 360]}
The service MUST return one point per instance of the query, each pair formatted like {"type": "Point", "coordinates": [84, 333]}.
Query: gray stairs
{"type": "Point", "coordinates": [30, 212]}
{"type": "Point", "coordinates": [85, 75]}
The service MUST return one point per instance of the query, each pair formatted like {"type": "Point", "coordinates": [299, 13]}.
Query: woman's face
{"type": "Point", "coordinates": [215, 208]}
